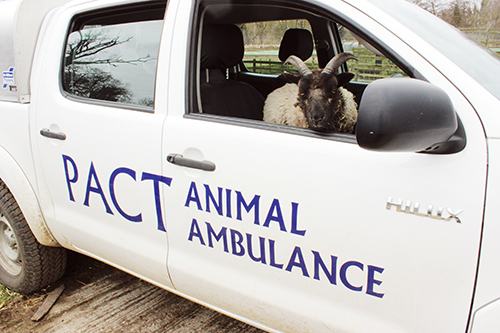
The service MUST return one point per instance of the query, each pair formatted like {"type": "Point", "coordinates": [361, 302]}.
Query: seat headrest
{"type": "Point", "coordinates": [298, 42]}
{"type": "Point", "coordinates": [221, 47]}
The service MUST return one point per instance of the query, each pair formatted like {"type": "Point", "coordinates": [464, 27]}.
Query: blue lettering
{"type": "Point", "coordinates": [131, 173]}
{"type": "Point", "coordinates": [193, 196]}
{"type": "Point", "coordinates": [94, 186]}
{"type": "Point", "coordinates": [236, 243]}
{"type": "Point", "coordinates": [296, 258]}
{"type": "Point", "coordinates": [215, 201]}
{"type": "Point", "coordinates": [69, 180]}
{"type": "Point", "coordinates": [253, 204]}
{"type": "Point", "coordinates": [157, 179]}
{"type": "Point", "coordinates": [228, 203]}
{"type": "Point", "coordinates": [343, 274]}
{"type": "Point", "coordinates": [210, 198]}
{"type": "Point", "coordinates": [272, 254]}
{"type": "Point", "coordinates": [275, 206]}
{"type": "Point", "coordinates": [262, 243]}
{"type": "Point", "coordinates": [318, 262]}
{"type": "Point", "coordinates": [295, 209]}
{"type": "Point", "coordinates": [222, 234]}
{"type": "Point", "coordinates": [195, 232]}
{"type": "Point", "coordinates": [371, 281]}
{"type": "Point", "coordinates": [97, 189]}
{"type": "Point", "coordinates": [297, 254]}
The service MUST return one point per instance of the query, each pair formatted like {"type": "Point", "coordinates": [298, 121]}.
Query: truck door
{"type": "Point", "coordinates": [98, 136]}
{"type": "Point", "coordinates": [306, 231]}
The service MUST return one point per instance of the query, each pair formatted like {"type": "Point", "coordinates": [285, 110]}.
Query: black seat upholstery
{"type": "Point", "coordinates": [297, 42]}
{"type": "Point", "coordinates": [222, 47]}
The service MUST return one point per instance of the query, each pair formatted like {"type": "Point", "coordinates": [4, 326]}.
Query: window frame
{"type": "Point", "coordinates": [309, 7]}
{"type": "Point", "coordinates": [112, 13]}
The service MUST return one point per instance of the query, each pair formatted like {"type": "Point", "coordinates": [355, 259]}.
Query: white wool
{"type": "Point", "coordinates": [350, 110]}
{"type": "Point", "coordinates": [279, 108]}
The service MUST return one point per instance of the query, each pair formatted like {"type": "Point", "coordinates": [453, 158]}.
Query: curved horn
{"type": "Point", "coordinates": [299, 64]}
{"type": "Point", "coordinates": [336, 61]}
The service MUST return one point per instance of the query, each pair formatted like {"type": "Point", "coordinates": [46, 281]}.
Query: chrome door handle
{"type": "Point", "coordinates": [189, 163]}
{"type": "Point", "coordinates": [53, 135]}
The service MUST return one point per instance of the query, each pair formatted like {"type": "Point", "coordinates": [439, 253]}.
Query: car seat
{"type": "Point", "coordinates": [222, 47]}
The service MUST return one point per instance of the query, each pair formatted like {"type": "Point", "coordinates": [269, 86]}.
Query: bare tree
{"type": "Point", "coordinates": [460, 13]}
{"type": "Point", "coordinates": [84, 50]}
{"type": "Point", "coordinates": [83, 77]}
{"type": "Point", "coordinates": [96, 83]}
{"type": "Point", "coordinates": [489, 15]}
{"type": "Point", "coordinates": [432, 6]}
{"type": "Point", "coordinates": [465, 13]}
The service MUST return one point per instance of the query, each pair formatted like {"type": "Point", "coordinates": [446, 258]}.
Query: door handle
{"type": "Point", "coordinates": [189, 163]}
{"type": "Point", "coordinates": [53, 135]}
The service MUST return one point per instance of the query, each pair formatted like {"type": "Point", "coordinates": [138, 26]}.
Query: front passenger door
{"type": "Point", "coordinates": [299, 231]}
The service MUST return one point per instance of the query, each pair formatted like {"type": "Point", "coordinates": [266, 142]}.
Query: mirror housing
{"type": "Point", "coordinates": [408, 115]}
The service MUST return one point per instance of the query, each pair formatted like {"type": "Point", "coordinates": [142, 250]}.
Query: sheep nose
{"type": "Point", "coordinates": [317, 117]}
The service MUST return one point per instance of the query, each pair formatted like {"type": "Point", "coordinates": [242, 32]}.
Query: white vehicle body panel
{"type": "Point", "coordinates": [7, 59]}
{"type": "Point", "coordinates": [17, 28]}
{"type": "Point", "coordinates": [105, 147]}
{"type": "Point", "coordinates": [487, 290]}
{"type": "Point", "coordinates": [291, 232]}
{"type": "Point", "coordinates": [336, 222]}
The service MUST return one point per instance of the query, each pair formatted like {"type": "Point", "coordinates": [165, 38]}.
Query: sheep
{"type": "Point", "coordinates": [315, 99]}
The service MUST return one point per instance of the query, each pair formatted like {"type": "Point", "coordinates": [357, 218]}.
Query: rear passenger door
{"type": "Point", "coordinates": [98, 137]}
{"type": "Point", "coordinates": [305, 231]}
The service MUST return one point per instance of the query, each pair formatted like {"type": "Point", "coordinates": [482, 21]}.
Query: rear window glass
{"type": "Point", "coordinates": [113, 62]}
{"type": "Point", "coordinates": [262, 44]}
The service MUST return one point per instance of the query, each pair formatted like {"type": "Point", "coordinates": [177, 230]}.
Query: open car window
{"type": "Point", "coordinates": [239, 66]}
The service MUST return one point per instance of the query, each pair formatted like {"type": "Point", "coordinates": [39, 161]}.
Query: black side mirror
{"type": "Point", "coordinates": [408, 115]}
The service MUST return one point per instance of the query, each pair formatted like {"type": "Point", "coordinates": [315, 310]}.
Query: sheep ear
{"type": "Point", "coordinates": [290, 78]}
{"type": "Point", "coordinates": [344, 78]}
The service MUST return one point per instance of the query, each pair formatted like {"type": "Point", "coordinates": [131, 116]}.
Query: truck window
{"type": "Point", "coordinates": [371, 65]}
{"type": "Point", "coordinates": [238, 62]}
{"type": "Point", "coordinates": [111, 61]}
{"type": "Point", "coordinates": [262, 45]}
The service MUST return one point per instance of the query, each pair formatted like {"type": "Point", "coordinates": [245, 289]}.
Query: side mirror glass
{"type": "Point", "coordinates": [408, 115]}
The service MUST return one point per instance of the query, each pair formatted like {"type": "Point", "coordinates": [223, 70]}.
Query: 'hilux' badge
{"type": "Point", "coordinates": [410, 207]}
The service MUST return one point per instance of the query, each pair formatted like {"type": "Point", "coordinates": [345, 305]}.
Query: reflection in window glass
{"type": "Point", "coordinates": [371, 64]}
{"type": "Point", "coordinates": [262, 44]}
{"type": "Point", "coordinates": [113, 63]}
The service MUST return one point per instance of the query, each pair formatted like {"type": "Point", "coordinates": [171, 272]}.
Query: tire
{"type": "Point", "coordinates": [25, 265]}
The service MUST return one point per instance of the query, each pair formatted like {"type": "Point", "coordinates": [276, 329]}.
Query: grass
{"type": "Point", "coordinates": [6, 295]}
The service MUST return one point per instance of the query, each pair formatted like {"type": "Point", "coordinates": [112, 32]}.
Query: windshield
{"type": "Point", "coordinates": [480, 63]}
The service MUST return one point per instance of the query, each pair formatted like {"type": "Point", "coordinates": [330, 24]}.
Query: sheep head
{"type": "Point", "coordinates": [319, 97]}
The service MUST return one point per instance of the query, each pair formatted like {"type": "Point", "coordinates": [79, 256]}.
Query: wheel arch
{"type": "Point", "coordinates": [12, 175]}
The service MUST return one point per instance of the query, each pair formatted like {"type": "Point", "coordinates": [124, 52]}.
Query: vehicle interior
{"type": "Point", "coordinates": [238, 50]}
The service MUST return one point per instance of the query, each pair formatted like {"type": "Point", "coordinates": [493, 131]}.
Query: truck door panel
{"type": "Point", "coordinates": [313, 230]}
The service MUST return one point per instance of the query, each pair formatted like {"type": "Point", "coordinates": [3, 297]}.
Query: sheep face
{"type": "Point", "coordinates": [321, 101]}
{"type": "Point", "coordinates": [319, 96]}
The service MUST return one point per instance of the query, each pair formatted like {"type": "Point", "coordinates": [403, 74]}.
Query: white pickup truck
{"type": "Point", "coordinates": [125, 137]}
